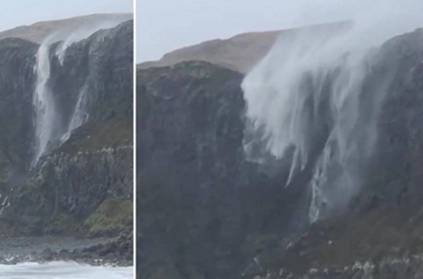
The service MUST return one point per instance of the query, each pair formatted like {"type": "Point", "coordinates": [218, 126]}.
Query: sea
{"type": "Point", "coordinates": [64, 270]}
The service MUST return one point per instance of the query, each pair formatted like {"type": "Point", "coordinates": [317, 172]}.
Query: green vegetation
{"type": "Point", "coordinates": [111, 216]}
{"type": "Point", "coordinates": [63, 223]}
{"type": "Point", "coordinates": [94, 136]}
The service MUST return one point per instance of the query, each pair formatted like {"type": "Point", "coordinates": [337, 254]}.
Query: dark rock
{"type": "Point", "coordinates": [205, 209]}
{"type": "Point", "coordinates": [207, 212]}
{"type": "Point", "coordinates": [71, 189]}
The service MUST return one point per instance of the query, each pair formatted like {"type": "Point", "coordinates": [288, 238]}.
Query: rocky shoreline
{"type": "Point", "coordinates": [116, 251]}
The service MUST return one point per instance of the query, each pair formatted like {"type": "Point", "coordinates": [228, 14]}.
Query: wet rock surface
{"type": "Point", "coordinates": [94, 251]}
{"type": "Point", "coordinates": [199, 191]}
{"type": "Point", "coordinates": [81, 187]}
{"type": "Point", "coordinates": [118, 251]}
{"type": "Point", "coordinates": [207, 212]}
{"type": "Point", "coordinates": [381, 233]}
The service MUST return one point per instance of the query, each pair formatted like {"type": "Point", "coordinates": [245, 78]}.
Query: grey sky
{"type": "Point", "coordinates": [164, 25]}
{"type": "Point", "coordinates": [23, 12]}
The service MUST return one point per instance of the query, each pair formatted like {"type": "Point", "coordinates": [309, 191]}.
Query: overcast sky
{"type": "Point", "coordinates": [23, 12]}
{"type": "Point", "coordinates": [164, 25]}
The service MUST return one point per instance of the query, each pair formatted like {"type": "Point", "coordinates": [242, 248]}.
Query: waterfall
{"type": "Point", "coordinates": [44, 107]}
{"type": "Point", "coordinates": [304, 95]}
{"type": "Point", "coordinates": [309, 101]}
{"type": "Point", "coordinates": [48, 128]}
{"type": "Point", "coordinates": [79, 115]}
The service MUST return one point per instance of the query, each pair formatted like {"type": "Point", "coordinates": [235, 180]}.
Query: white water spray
{"type": "Point", "coordinates": [63, 270]}
{"type": "Point", "coordinates": [306, 95]}
{"type": "Point", "coordinates": [47, 122]}
{"type": "Point", "coordinates": [43, 102]}
{"type": "Point", "coordinates": [79, 115]}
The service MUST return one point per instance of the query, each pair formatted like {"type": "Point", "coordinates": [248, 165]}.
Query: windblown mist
{"type": "Point", "coordinates": [310, 100]}
{"type": "Point", "coordinates": [48, 127]}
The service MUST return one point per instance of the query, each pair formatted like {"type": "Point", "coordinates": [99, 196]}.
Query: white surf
{"type": "Point", "coordinates": [63, 270]}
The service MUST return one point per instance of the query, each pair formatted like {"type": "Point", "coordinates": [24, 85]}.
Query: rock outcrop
{"type": "Point", "coordinates": [208, 212]}
{"type": "Point", "coordinates": [82, 185]}
{"type": "Point", "coordinates": [199, 192]}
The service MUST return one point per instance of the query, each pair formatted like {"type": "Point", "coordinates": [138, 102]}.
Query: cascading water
{"type": "Point", "coordinates": [45, 113]}
{"type": "Point", "coordinates": [79, 115]}
{"type": "Point", "coordinates": [48, 128]}
{"type": "Point", "coordinates": [309, 101]}
{"type": "Point", "coordinates": [305, 95]}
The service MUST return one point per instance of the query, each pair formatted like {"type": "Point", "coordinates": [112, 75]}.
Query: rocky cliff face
{"type": "Point", "coordinates": [208, 212]}
{"type": "Point", "coordinates": [82, 183]}
{"type": "Point", "coordinates": [199, 192]}
{"type": "Point", "coordinates": [18, 83]}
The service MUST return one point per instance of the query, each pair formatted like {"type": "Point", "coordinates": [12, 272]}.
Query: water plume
{"type": "Point", "coordinates": [44, 107]}
{"type": "Point", "coordinates": [308, 101]}
{"type": "Point", "coordinates": [48, 127]}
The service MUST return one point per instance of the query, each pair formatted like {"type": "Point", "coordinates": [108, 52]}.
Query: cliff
{"type": "Point", "coordinates": [209, 212]}
{"type": "Point", "coordinates": [199, 192]}
{"type": "Point", "coordinates": [81, 184]}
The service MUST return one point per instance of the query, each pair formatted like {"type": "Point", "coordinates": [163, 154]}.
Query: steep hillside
{"type": "Point", "coordinates": [76, 103]}
{"type": "Point", "coordinates": [199, 192]}
{"type": "Point", "coordinates": [380, 234]}
{"type": "Point", "coordinates": [208, 211]}
{"type": "Point", "coordinates": [239, 53]}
